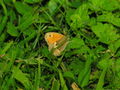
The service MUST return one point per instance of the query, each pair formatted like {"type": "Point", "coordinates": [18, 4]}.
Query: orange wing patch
{"type": "Point", "coordinates": [53, 37]}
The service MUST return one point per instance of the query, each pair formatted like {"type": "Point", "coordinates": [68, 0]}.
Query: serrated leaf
{"type": "Point", "coordinates": [105, 62]}
{"type": "Point", "coordinates": [110, 18]}
{"type": "Point", "coordinates": [108, 5]}
{"type": "Point", "coordinates": [105, 32]}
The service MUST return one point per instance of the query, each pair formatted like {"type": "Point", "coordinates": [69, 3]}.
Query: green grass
{"type": "Point", "coordinates": [91, 59]}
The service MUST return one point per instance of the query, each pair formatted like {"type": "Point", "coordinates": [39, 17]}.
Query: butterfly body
{"type": "Point", "coordinates": [56, 42]}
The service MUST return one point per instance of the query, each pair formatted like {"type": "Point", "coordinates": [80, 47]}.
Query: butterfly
{"type": "Point", "coordinates": [56, 42]}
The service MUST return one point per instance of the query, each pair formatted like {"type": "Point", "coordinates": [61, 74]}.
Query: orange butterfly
{"type": "Point", "coordinates": [56, 42]}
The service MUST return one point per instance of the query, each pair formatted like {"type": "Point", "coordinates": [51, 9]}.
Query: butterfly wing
{"type": "Point", "coordinates": [52, 37]}
{"type": "Point", "coordinates": [56, 42]}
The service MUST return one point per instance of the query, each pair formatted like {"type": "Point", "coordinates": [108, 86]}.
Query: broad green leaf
{"type": "Point", "coordinates": [93, 21]}
{"type": "Point", "coordinates": [32, 1]}
{"type": "Point", "coordinates": [68, 15]}
{"type": "Point", "coordinates": [108, 5]}
{"type": "Point", "coordinates": [105, 32]}
{"type": "Point", "coordinates": [75, 43]}
{"type": "Point", "coordinates": [76, 66]}
{"type": "Point", "coordinates": [11, 29]}
{"type": "Point", "coordinates": [22, 8]}
{"type": "Point", "coordinates": [69, 74]}
{"type": "Point", "coordinates": [110, 18]}
{"type": "Point", "coordinates": [27, 20]}
{"type": "Point", "coordinates": [21, 77]}
{"type": "Point", "coordinates": [95, 4]}
{"type": "Point", "coordinates": [55, 85]}
{"type": "Point", "coordinates": [105, 61]}
{"type": "Point", "coordinates": [114, 45]}
{"type": "Point", "coordinates": [86, 79]}
{"type": "Point", "coordinates": [75, 3]}
{"type": "Point", "coordinates": [80, 17]}
{"type": "Point", "coordinates": [52, 5]}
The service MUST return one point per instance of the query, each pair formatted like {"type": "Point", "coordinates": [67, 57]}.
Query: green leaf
{"type": "Point", "coordinates": [52, 6]}
{"type": "Point", "coordinates": [75, 43]}
{"type": "Point", "coordinates": [27, 20]}
{"type": "Point", "coordinates": [84, 75]}
{"type": "Point", "coordinates": [68, 15]}
{"type": "Point", "coordinates": [32, 1]}
{"type": "Point", "coordinates": [80, 18]}
{"type": "Point", "coordinates": [63, 84]}
{"type": "Point", "coordinates": [86, 79]}
{"type": "Point", "coordinates": [117, 67]}
{"type": "Point", "coordinates": [95, 4]}
{"type": "Point", "coordinates": [110, 18]}
{"type": "Point", "coordinates": [11, 29]}
{"type": "Point", "coordinates": [69, 74]}
{"type": "Point", "coordinates": [6, 47]}
{"type": "Point", "coordinates": [3, 23]}
{"type": "Point", "coordinates": [114, 45]}
{"type": "Point", "coordinates": [55, 85]}
{"type": "Point", "coordinates": [105, 62]}
{"type": "Point", "coordinates": [76, 66]}
{"type": "Point", "coordinates": [105, 32]}
{"type": "Point", "coordinates": [28, 38]}
{"type": "Point", "coordinates": [2, 37]}
{"type": "Point", "coordinates": [13, 17]}
{"type": "Point", "coordinates": [75, 3]}
{"type": "Point", "coordinates": [29, 31]}
{"type": "Point", "coordinates": [22, 8]}
{"type": "Point", "coordinates": [21, 77]}
{"type": "Point", "coordinates": [110, 5]}
{"type": "Point", "coordinates": [101, 80]}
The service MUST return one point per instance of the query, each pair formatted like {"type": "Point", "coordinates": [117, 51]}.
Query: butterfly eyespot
{"type": "Point", "coordinates": [50, 35]}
